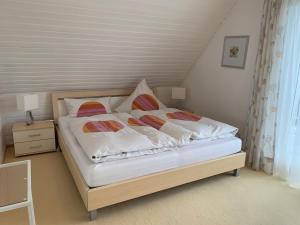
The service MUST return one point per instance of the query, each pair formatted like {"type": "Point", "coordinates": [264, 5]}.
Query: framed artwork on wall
{"type": "Point", "coordinates": [235, 51]}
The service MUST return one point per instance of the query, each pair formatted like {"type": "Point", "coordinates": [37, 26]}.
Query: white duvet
{"type": "Point", "coordinates": [179, 133]}
{"type": "Point", "coordinates": [158, 138]}
{"type": "Point", "coordinates": [109, 137]}
{"type": "Point", "coordinates": [201, 127]}
{"type": "Point", "coordinates": [105, 136]}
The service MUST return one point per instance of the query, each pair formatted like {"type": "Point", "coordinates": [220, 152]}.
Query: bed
{"type": "Point", "coordinates": [135, 177]}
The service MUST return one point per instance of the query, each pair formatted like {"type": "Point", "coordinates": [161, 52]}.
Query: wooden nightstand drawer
{"type": "Point", "coordinates": [36, 138]}
{"type": "Point", "coordinates": [32, 147]}
{"type": "Point", "coordinates": [33, 135]}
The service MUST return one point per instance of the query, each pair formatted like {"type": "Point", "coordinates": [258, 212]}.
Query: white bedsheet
{"type": "Point", "coordinates": [110, 172]}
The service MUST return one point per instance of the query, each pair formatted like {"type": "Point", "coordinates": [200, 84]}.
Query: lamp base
{"type": "Point", "coordinates": [29, 118]}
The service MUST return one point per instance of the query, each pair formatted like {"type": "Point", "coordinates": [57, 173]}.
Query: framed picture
{"type": "Point", "coordinates": [235, 51]}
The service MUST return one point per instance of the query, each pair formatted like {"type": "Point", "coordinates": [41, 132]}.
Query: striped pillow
{"type": "Point", "coordinates": [87, 107]}
{"type": "Point", "coordinates": [145, 102]}
{"type": "Point", "coordinates": [141, 98]}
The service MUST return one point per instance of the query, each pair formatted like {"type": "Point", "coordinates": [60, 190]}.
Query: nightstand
{"type": "Point", "coordinates": [36, 138]}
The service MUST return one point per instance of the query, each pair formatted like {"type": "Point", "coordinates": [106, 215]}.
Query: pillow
{"type": "Point", "coordinates": [87, 107]}
{"type": "Point", "coordinates": [142, 98]}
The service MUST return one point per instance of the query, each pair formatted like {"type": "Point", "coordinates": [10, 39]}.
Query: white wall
{"type": "Point", "coordinates": [225, 93]}
{"type": "Point", "coordinates": [72, 44]}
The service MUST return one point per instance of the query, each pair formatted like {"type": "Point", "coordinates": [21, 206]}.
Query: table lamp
{"type": "Point", "coordinates": [26, 103]}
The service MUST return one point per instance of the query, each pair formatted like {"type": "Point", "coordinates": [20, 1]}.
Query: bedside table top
{"type": "Point", "coordinates": [36, 125]}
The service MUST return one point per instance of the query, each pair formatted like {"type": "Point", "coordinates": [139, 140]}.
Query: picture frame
{"type": "Point", "coordinates": [235, 51]}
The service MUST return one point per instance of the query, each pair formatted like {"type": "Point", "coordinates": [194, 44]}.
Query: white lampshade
{"type": "Point", "coordinates": [178, 93]}
{"type": "Point", "coordinates": [27, 102]}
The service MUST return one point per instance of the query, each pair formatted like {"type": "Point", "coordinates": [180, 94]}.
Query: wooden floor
{"type": "Point", "coordinates": [251, 199]}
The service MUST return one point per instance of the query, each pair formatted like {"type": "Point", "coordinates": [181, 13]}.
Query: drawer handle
{"type": "Point", "coordinates": [35, 147]}
{"type": "Point", "coordinates": [34, 135]}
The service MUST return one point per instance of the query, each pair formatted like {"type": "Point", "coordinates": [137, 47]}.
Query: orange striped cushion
{"type": "Point", "coordinates": [153, 121]}
{"type": "Point", "coordinates": [102, 126]}
{"type": "Point", "coordinates": [145, 102]}
{"type": "Point", "coordinates": [90, 109]}
{"type": "Point", "coordinates": [183, 116]}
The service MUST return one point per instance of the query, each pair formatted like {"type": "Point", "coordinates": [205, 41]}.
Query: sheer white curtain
{"type": "Point", "coordinates": [287, 69]}
{"type": "Point", "coordinates": [261, 125]}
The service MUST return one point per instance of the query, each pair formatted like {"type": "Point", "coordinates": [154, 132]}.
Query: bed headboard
{"type": "Point", "coordinates": [59, 96]}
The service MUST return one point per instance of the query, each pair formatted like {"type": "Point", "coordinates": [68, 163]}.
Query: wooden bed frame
{"type": "Point", "coordinates": [99, 197]}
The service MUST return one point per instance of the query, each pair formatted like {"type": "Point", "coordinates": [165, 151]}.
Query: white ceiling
{"type": "Point", "coordinates": [75, 44]}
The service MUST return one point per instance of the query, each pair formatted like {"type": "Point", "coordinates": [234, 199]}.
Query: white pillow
{"type": "Point", "coordinates": [142, 98]}
{"type": "Point", "coordinates": [87, 106]}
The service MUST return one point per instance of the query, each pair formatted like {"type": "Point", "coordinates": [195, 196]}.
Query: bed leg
{"type": "Point", "coordinates": [93, 215]}
{"type": "Point", "coordinates": [236, 172]}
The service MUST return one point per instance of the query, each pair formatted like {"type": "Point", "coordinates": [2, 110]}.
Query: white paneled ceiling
{"type": "Point", "coordinates": [74, 44]}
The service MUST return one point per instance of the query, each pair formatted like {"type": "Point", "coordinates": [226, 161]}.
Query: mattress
{"type": "Point", "coordinates": [99, 174]}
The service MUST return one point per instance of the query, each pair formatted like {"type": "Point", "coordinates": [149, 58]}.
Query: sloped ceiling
{"type": "Point", "coordinates": [74, 44]}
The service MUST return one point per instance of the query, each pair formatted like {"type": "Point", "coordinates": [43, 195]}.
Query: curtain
{"type": "Point", "coordinates": [287, 69]}
{"type": "Point", "coordinates": [259, 137]}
